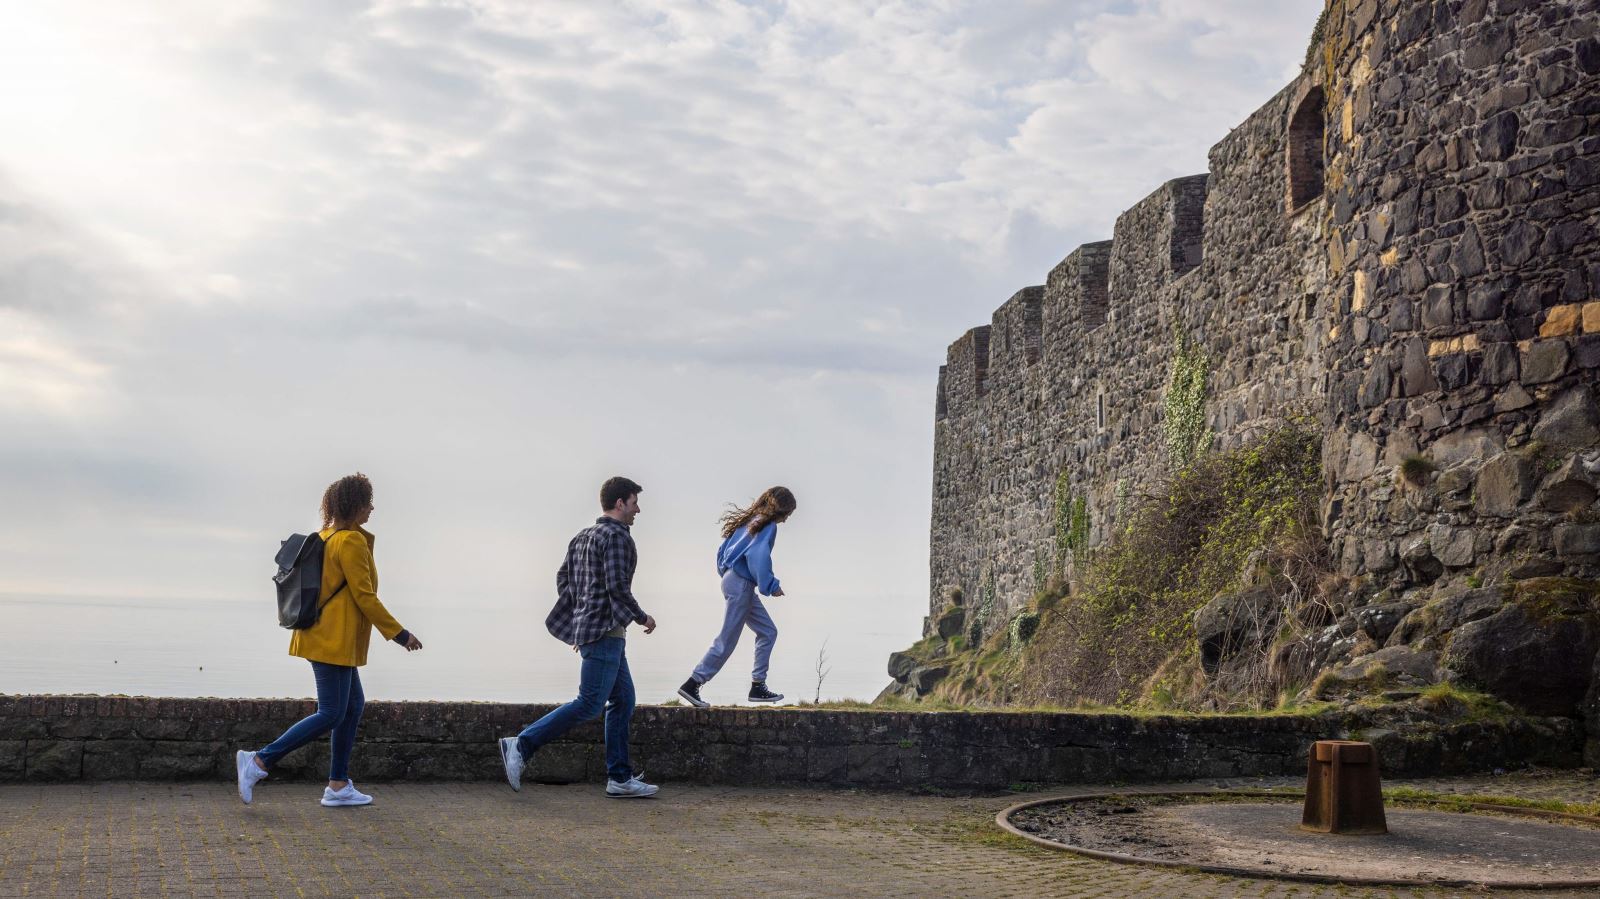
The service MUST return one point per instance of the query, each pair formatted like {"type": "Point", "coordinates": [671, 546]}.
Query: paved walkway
{"type": "Point", "coordinates": [484, 840]}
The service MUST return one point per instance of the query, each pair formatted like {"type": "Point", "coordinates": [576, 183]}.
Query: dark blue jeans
{"type": "Point", "coordinates": [339, 706]}
{"type": "Point", "coordinates": [604, 684]}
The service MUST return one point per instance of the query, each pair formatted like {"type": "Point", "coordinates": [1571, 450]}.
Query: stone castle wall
{"type": "Point", "coordinates": [1399, 246]}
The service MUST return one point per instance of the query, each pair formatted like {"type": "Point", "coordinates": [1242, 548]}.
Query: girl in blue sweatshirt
{"type": "Point", "coordinates": [745, 563]}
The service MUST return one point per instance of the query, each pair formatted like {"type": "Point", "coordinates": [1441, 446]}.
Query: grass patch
{"type": "Point", "coordinates": [1461, 802]}
{"type": "Point", "coordinates": [1465, 705]}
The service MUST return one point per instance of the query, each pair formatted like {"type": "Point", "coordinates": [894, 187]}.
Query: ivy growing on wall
{"type": "Point", "coordinates": [1071, 520]}
{"type": "Point", "coordinates": [1184, 405]}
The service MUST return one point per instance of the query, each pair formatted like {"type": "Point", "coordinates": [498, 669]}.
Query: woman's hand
{"type": "Point", "coordinates": [413, 644]}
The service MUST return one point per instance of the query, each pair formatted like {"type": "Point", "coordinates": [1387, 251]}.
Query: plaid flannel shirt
{"type": "Point", "coordinates": [594, 584]}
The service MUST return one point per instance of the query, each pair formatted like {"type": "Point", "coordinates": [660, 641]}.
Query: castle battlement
{"type": "Point", "coordinates": [1400, 244]}
{"type": "Point", "coordinates": [1156, 241]}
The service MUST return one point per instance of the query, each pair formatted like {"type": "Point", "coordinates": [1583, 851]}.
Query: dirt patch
{"type": "Point", "coordinates": [1262, 836]}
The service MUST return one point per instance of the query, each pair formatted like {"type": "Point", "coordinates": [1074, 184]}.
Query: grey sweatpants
{"type": "Point", "coordinates": [743, 609]}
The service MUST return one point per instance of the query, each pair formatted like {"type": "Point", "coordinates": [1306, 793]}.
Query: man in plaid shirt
{"type": "Point", "coordinates": [594, 607]}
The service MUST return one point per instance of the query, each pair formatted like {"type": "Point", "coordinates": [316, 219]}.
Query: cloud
{"type": "Point", "coordinates": [246, 244]}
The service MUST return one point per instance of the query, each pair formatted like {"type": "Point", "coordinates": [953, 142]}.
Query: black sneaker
{"type": "Point", "coordinates": [760, 693]}
{"type": "Point", "coordinates": [690, 691]}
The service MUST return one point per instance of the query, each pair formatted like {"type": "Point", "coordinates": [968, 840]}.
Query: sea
{"type": "Point", "coordinates": [829, 648]}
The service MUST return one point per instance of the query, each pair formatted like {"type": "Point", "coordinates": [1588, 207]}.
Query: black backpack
{"type": "Point", "coordinates": [299, 581]}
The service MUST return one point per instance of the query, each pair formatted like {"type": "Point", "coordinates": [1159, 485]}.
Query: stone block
{"type": "Point", "coordinates": [1591, 317]}
{"type": "Point", "coordinates": [1562, 320]}
{"type": "Point", "coordinates": [1572, 420]}
{"type": "Point", "coordinates": [1577, 539]}
{"type": "Point", "coordinates": [19, 728]}
{"type": "Point", "coordinates": [1470, 445]}
{"type": "Point", "coordinates": [1500, 364]}
{"type": "Point", "coordinates": [1571, 488]}
{"type": "Point", "coordinates": [1504, 483]}
{"type": "Point", "coordinates": [1520, 243]}
{"type": "Point", "coordinates": [1512, 398]}
{"type": "Point", "coordinates": [1544, 360]}
{"type": "Point", "coordinates": [13, 759]}
{"type": "Point", "coordinates": [54, 760]}
{"type": "Point", "coordinates": [827, 765]}
{"type": "Point", "coordinates": [1438, 307]}
{"type": "Point", "coordinates": [113, 759]}
{"type": "Point", "coordinates": [1379, 556]}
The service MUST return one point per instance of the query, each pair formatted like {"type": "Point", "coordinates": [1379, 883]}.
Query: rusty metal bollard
{"type": "Point", "coordinates": [1343, 794]}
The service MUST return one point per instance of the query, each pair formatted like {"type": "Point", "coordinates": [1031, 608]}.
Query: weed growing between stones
{"type": "Point", "coordinates": [1414, 470]}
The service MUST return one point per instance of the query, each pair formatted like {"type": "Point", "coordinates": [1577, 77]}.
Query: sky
{"type": "Point", "coordinates": [491, 253]}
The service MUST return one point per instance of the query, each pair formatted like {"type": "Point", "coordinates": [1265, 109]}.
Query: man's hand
{"type": "Point", "coordinates": [412, 643]}
{"type": "Point", "coordinates": [649, 623]}
{"type": "Point", "coordinates": [778, 592]}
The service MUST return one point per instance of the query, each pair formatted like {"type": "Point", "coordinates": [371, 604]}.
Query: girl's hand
{"type": "Point", "coordinates": [413, 644]}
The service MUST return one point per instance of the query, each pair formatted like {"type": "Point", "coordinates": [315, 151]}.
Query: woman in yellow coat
{"type": "Point", "coordinates": [336, 645]}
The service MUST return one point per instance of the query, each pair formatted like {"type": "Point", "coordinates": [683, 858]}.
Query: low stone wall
{"type": "Point", "coordinates": [60, 738]}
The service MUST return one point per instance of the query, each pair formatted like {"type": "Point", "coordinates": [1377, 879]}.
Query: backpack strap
{"type": "Point", "coordinates": [335, 593]}
{"type": "Point", "coordinates": [324, 604]}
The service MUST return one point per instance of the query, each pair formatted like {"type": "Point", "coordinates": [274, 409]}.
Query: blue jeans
{"type": "Point", "coordinates": [339, 706]}
{"type": "Point", "coordinates": [604, 684]}
{"type": "Point", "coordinates": [744, 609]}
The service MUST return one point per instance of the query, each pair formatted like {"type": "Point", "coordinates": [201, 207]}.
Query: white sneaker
{"type": "Point", "coordinates": [511, 756]}
{"type": "Point", "coordinates": [633, 789]}
{"type": "Point", "coordinates": [348, 795]}
{"type": "Point", "coordinates": [249, 774]}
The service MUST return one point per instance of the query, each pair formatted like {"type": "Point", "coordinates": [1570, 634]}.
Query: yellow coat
{"type": "Point", "coordinates": [341, 634]}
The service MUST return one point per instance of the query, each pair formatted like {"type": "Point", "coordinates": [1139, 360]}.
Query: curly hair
{"type": "Point", "coordinates": [345, 498]}
{"type": "Point", "coordinates": [774, 504]}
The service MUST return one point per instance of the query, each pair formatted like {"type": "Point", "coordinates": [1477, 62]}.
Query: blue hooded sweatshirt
{"type": "Point", "coordinates": [750, 557]}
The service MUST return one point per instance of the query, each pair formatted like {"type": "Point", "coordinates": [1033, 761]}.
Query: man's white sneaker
{"type": "Point", "coordinates": [249, 774]}
{"type": "Point", "coordinates": [511, 757]}
{"type": "Point", "coordinates": [348, 795]}
{"type": "Point", "coordinates": [633, 789]}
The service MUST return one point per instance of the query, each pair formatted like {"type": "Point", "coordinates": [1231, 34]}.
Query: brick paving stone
{"type": "Point", "coordinates": [428, 840]}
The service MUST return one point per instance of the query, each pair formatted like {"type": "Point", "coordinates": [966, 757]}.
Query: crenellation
{"type": "Point", "coordinates": [1155, 241]}
{"type": "Point", "coordinates": [967, 370]}
{"type": "Point", "coordinates": [1074, 298]}
{"type": "Point", "coordinates": [1016, 336]}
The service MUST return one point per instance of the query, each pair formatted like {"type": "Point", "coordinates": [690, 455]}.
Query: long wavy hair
{"type": "Point", "coordinates": [774, 504]}
{"type": "Point", "coordinates": [345, 498]}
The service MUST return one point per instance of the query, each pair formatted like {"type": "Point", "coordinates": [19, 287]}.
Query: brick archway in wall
{"type": "Point", "coordinates": [1305, 148]}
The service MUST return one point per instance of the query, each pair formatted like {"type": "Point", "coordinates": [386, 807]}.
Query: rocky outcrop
{"type": "Point", "coordinates": [1537, 652]}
